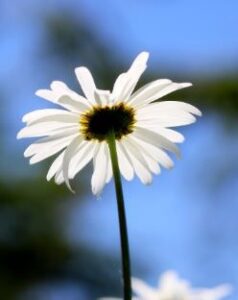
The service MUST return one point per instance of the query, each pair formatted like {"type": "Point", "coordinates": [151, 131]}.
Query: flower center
{"type": "Point", "coordinates": [98, 122]}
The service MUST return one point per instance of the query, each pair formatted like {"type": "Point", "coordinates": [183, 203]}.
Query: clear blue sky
{"type": "Point", "coordinates": [192, 35]}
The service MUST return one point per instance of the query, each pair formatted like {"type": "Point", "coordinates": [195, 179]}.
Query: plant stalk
{"type": "Point", "coordinates": [122, 218]}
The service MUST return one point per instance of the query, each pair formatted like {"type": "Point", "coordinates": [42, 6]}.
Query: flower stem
{"type": "Point", "coordinates": [122, 218]}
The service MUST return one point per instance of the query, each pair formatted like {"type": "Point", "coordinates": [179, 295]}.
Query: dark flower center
{"type": "Point", "coordinates": [98, 122]}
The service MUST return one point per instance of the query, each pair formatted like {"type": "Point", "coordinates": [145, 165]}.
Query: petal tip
{"type": "Point", "coordinates": [20, 135]}
{"type": "Point", "coordinates": [39, 92]}
{"type": "Point", "coordinates": [24, 119]}
{"type": "Point", "coordinates": [170, 167]}
{"type": "Point", "coordinates": [31, 161]}
{"type": "Point", "coordinates": [199, 113]}
{"type": "Point", "coordinates": [97, 191]}
{"type": "Point", "coordinates": [183, 139]}
{"type": "Point", "coordinates": [146, 54]}
{"type": "Point", "coordinates": [54, 85]}
{"type": "Point", "coordinates": [142, 57]}
{"type": "Point", "coordinates": [27, 153]}
{"type": "Point", "coordinates": [187, 84]}
{"type": "Point", "coordinates": [69, 187]}
{"type": "Point", "coordinates": [81, 69]}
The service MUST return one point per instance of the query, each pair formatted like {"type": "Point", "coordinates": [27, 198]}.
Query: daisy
{"type": "Point", "coordinates": [77, 132]}
{"type": "Point", "coordinates": [121, 131]}
{"type": "Point", "coordinates": [171, 287]}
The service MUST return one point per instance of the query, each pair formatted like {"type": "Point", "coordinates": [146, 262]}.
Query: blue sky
{"type": "Point", "coordinates": [191, 35]}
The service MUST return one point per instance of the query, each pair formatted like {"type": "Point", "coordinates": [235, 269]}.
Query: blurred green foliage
{"type": "Point", "coordinates": [30, 245]}
{"type": "Point", "coordinates": [76, 43]}
{"type": "Point", "coordinates": [33, 248]}
{"type": "Point", "coordinates": [219, 94]}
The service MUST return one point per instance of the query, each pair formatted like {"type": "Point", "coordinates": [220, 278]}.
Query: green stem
{"type": "Point", "coordinates": [122, 218]}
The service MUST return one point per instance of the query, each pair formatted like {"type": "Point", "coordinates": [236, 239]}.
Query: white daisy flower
{"type": "Point", "coordinates": [77, 132]}
{"type": "Point", "coordinates": [171, 287]}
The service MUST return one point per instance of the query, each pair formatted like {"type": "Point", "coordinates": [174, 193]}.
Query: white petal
{"type": "Point", "coordinates": [172, 135]}
{"type": "Point", "coordinates": [138, 161]}
{"type": "Point", "coordinates": [178, 105]}
{"type": "Point", "coordinates": [67, 158]}
{"type": "Point", "coordinates": [134, 73]}
{"type": "Point", "coordinates": [168, 114]}
{"type": "Point", "coordinates": [100, 170]}
{"type": "Point", "coordinates": [118, 87]}
{"type": "Point", "coordinates": [52, 149]}
{"type": "Point", "coordinates": [42, 115]}
{"type": "Point", "coordinates": [142, 289]}
{"type": "Point", "coordinates": [60, 89]}
{"type": "Point", "coordinates": [152, 164]}
{"type": "Point", "coordinates": [214, 293]}
{"type": "Point", "coordinates": [59, 179]}
{"type": "Point", "coordinates": [150, 161]}
{"type": "Point", "coordinates": [72, 104]}
{"type": "Point", "coordinates": [81, 158]}
{"type": "Point", "coordinates": [109, 172]}
{"type": "Point", "coordinates": [58, 86]}
{"type": "Point", "coordinates": [169, 279]}
{"type": "Point", "coordinates": [45, 144]}
{"type": "Point", "coordinates": [102, 97]}
{"type": "Point", "coordinates": [140, 100]}
{"type": "Point", "coordinates": [147, 91]}
{"type": "Point", "coordinates": [169, 120]}
{"type": "Point", "coordinates": [47, 95]}
{"type": "Point", "coordinates": [125, 164]}
{"type": "Point", "coordinates": [63, 117]}
{"type": "Point", "coordinates": [174, 86]}
{"type": "Point", "coordinates": [86, 82]}
{"type": "Point", "coordinates": [159, 155]}
{"type": "Point", "coordinates": [47, 128]}
{"type": "Point", "coordinates": [155, 139]}
{"type": "Point", "coordinates": [109, 166]}
{"type": "Point", "coordinates": [55, 166]}
{"type": "Point", "coordinates": [46, 154]}
{"type": "Point", "coordinates": [126, 82]}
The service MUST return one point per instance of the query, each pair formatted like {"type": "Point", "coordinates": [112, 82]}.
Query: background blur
{"type": "Point", "coordinates": [57, 246]}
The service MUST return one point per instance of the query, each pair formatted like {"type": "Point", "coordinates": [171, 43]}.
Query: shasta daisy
{"type": "Point", "coordinates": [77, 131]}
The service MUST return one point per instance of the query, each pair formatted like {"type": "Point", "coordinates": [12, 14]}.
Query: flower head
{"type": "Point", "coordinates": [78, 131]}
{"type": "Point", "coordinates": [171, 287]}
